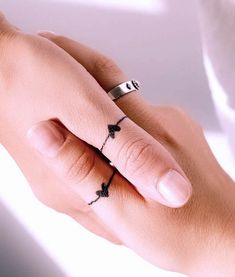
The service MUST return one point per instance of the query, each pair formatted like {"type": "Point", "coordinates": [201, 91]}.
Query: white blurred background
{"type": "Point", "coordinates": [156, 42]}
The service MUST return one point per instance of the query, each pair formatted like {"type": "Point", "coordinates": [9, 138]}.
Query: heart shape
{"type": "Point", "coordinates": [104, 192]}
{"type": "Point", "coordinates": [112, 129]}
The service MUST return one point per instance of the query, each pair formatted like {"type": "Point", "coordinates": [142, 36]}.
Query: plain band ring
{"type": "Point", "coordinates": [123, 88]}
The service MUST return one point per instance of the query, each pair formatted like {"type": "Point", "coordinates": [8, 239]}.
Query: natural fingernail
{"type": "Point", "coordinates": [46, 138]}
{"type": "Point", "coordinates": [174, 188]}
{"type": "Point", "coordinates": [46, 34]}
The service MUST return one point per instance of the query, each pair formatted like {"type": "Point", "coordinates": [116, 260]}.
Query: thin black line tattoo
{"type": "Point", "coordinates": [112, 129]}
{"type": "Point", "coordinates": [104, 192]}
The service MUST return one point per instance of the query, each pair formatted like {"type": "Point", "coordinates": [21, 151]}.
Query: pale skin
{"type": "Point", "coordinates": [62, 89]}
{"type": "Point", "coordinates": [197, 239]}
{"type": "Point", "coordinates": [52, 72]}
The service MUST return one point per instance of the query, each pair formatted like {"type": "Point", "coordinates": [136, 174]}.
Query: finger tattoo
{"type": "Point", "coordinates": [112, 129]}
{"type": "Point", "coordinates": [104, 192]}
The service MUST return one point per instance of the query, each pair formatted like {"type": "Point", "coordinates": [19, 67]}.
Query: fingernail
{"type": "Point", "coordinates": [46, 138]}
{"type": "Point", "coordinates": [174, 188]}
{"type": "Point", "coordinates": [46, 34]}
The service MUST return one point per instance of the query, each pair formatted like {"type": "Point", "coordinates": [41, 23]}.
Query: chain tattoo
{"type": "Point", "coordinates": [112, 129]}
{"type": "Point", "coordinates": [104, 192]}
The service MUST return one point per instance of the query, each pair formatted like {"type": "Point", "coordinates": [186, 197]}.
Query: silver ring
{"type": "Point", "coordinates": [123, 89]}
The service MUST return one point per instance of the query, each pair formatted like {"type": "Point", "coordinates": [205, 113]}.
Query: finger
{"type": "Point", "coordinates": [80, 167]}
{"type": "Point", "coordinates": [138, 157]}
{"type": "Point", "coordinates": [73, 160]}
{"type": "Point", "coordinates": [123, 210]}
{"type": "Point", "coordinates": [94, 62]}
{"type": "Point", "coordinates": [106, 72]}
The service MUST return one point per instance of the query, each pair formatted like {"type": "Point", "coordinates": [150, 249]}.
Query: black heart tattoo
{"type": "Point", "coordinates": [112, 129]}
{"type": "Point", "coordinates": [104, 192]}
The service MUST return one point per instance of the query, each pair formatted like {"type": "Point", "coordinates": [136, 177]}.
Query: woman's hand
{"type": "Point", "coordinates": [40, 81]}
{"type": "Point", "coordinates": [197, 239]}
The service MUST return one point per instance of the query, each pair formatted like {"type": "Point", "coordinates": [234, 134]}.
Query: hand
{"type": "Point", "coordinates": [197, 239]}
{"type": "Point", "coordinates": [40, 81]}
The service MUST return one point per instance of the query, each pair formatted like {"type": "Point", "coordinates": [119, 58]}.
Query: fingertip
{"type": "Point", "coordinates": [46, 138]}
{"type": "Point", "coordinates": [175, 189]}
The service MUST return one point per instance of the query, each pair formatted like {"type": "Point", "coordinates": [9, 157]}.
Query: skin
{"type": "Point", "coordinates": [197, 239]}
{"type": "Point", "coordinates": [40, 81]}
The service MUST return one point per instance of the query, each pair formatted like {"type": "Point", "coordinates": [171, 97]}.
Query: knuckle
{"type": "Point", "coordinates": [105, 65]}
{"type": "Point", "coordinates": [176, 110]}
{"type": "Point", "coordinates": [172, 120]}
{"type": "Point", "coordinates": [137, 155]}
{"type": "Point", "coordinates": [59, 39]}
{"type": "Point", "coordinates": [162, 132]}
{"type": "Point", "coordinates": [183, 116]}
{"type": "Point", "coordinates": [80, 166]}
{"type": "Point", "coordinates": [197, 127]}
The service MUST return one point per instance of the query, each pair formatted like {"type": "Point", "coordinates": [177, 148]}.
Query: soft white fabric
{"type": "Point", "coordinates": [225, 113]}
